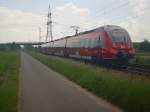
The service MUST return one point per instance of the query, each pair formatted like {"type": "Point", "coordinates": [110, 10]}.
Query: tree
{"type": "Point", "coordinates": [9, 46]}
{"type": "Point", "coordinates": [144, 46]}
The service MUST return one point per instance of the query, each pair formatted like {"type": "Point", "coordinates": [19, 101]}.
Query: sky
{"type": "Point", "coordinates": [20, 20]}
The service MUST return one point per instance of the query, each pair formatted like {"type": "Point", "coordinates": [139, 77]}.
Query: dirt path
{"type": "Point", "coordinates": [43, 90]}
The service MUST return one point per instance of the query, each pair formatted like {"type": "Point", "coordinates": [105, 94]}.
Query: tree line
{"type": "Point", "coordinates": [143, 46]}
{"type": "Point", "coordinates": [9, 46]}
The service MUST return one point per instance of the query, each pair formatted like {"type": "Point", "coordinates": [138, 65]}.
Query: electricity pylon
{"type": "Point", "coordinates": [49, 35]}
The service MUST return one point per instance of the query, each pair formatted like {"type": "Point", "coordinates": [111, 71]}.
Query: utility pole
{"type": "Point", "coordinates": [76, 28]}
{"type": "Point", "coordinates": [49, 35]}
{"type": "Point", "coordinates": [40, 34]}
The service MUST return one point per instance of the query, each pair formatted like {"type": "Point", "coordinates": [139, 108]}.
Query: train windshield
{"type": "Point", "coordinates": [119, 36]}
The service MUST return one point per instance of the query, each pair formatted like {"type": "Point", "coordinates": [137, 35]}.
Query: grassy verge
{"type": "Point", "coordinates": [9, 69]}
{"type": "Point", "coordinates": [130, 92]}
{"type": "Point", "coordinates": [141, 58]}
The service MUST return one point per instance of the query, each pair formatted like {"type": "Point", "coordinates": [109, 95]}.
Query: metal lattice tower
{"type": "Point", "coordinates": [49, 35]}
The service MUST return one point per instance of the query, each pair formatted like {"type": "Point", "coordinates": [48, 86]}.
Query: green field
{"type": "Point", "coordinates": [141, 58]}
{"type": "Point", "coordinates": [130, 92]}
{"type": "Point", "coordinates": [9, 69]}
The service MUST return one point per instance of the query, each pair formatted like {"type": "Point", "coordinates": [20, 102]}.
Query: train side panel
{"type": "Point", "coordinates": [106, 43]}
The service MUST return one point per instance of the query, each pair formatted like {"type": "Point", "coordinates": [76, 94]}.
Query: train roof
{"type": "Point", "coordinates": [106, 27]}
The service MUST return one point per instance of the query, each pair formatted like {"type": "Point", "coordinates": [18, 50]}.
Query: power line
{"type": "Point", "coordinates": [105, 11]}
{"type": "Point", "coordinates": [114, 9]}
{"type": "Point", "coordinates": [106, 5]}
{"type": "Point", "coordinates": [117, 20]}
{"type": "Point", "coordinates": [68, 26]}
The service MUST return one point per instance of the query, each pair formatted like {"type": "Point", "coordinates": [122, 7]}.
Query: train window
{"type": "Point", "coordinates": [100, 42]}
{"type": "Point", "coordinates": [92, 43]}
{"type": "Point", "coordinates": [96, 42]}
{"type": "Point", "coordinates": [82, 43]}
{"type": "Point", "coordinates": [85, 43]}
{"type": "Point", "coordinates": [73, 44]}
{"type": "Point", "coordinates": [78, 44]}
{"type": "Point", "coordinates": [89, 42]}
{"type": "Point", "coordinates": [119, 36]}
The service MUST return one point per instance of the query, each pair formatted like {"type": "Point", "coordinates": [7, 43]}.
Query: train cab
{"type": "Point", "coordinates": [121, 46]}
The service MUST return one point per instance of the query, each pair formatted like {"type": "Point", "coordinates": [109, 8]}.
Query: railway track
{"type": "Point", "coordinates": [136, 68]}
{"type": "Point", "coordinates": [140, 69]}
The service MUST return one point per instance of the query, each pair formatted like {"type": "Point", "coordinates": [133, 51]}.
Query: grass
{"type": "Point", "coordinates": [130, 92]}
{"type": "Point", "coordinates": [9, 69]}
{"type": "Point", "coordinates": [141, 58]}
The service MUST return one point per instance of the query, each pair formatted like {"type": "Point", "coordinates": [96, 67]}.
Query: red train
{"type": "Point", "coordinates": [106, 43]}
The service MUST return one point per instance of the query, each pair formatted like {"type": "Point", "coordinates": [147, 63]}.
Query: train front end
{"type": "Point", "coordinates": [121, 47]}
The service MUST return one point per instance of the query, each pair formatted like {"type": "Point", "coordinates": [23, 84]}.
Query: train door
{"type": "Point", "coordinates": [65, 52]}
{"type": "Point", "coordinates": [100, 46]}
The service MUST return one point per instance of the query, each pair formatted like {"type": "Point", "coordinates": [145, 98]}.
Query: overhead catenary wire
{"type": "Point", "coordinates": [106, 11]}
{"type": "Point", "coordinates": [121, 18]}
{"type": "Point", "coordinates": [125, 4]}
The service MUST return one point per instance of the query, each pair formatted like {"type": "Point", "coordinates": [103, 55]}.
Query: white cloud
{"type": "Point", "coordinates": [22, 26]}
{"type": "Point", "coordinates": [138, 21]}
{"type": "Point", "coordinates": [16, 25]}
{"type": "Point", "coordinates": [70, 15]}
